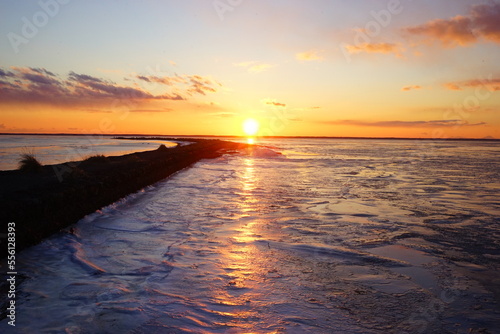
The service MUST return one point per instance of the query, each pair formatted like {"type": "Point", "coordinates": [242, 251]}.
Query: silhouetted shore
{"type": "Point", "coordinates": [44, 202]}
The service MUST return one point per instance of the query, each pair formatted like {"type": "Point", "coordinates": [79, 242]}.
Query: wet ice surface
{"type": "Point", "coordinates": [331, 236]}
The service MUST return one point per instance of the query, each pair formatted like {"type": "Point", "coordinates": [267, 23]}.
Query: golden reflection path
{"type": "Point", "coordinates": [244, 263]}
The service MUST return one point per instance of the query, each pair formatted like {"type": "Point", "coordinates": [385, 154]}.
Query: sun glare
{"type": "Point", "coordinates": [250, 126]}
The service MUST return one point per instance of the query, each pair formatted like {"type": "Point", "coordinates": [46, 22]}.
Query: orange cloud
{"type": "Point", "coordinates": [408, 88]}
{"type": "Point", "coordinates": [384, 48]}
{"type": "Point", "coordinates": [254, 67]}
{"type": "Point", "coordinates": [259, 68]}
{"type": "Point", "coordinates": [397, 124]}
{"type": "Point", "coordinates": [163, 110]}
{"type": "Point", "coordinates": [483, 21]}
{"type": "Point", "coordinates": [309, 56]}
{"type": "Point", "coordinates": [273, 103]}
{"type": "Point", "coordinates": [452, 86]}
{"type": "Point", "coordinates": [489, 84]}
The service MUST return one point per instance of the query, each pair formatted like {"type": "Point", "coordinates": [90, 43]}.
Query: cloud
{"type": "Point", "coordinates": [193, 84]}
{"type": "Point", "coordinates": [384, 48]}
{"type": "Point", "coordinates": [482, 22]}
{"type": "Point", "coordinates": [254, 67]}
{"type": "Point", "coordinates": [273, 103]}
{"type": "Point", "coordinates": [42, 71]}
{"type": "Point", "coordinates": [310, 55]}
{"type": "Point", "coordinates": [39, 86]}
{"type": "Point", "coordinates": [452, 86]}
{"type": "Point", "coordinates": [2, 126]}
{"type": "Point", "coordinates": [5, 74]}
{"type": "Point", "coordinates": [34, 76]}
{"type": "Point", "coordinates": [97, 111]}
{"type": "Point", "coordinates": [86, 86]}
{"type": "Point", "coordinates": [492, 84]}
{"type": "Point", "coordinates": [408, 88]}
{"type": "Point", "coordinates": [259, 68]}
{"type": "Point", "coordinates": [452, 110]}
{"type": "Point", "coordinates": [151, 110]}
{"type": "Point", "coordinates": [165, 80]}
{"type": "Point", "coordinates": [398, 124]}
{"type": "Point", "coordinates": [83, 77]}
{"type": "Point", "coordinates": [201, 85]}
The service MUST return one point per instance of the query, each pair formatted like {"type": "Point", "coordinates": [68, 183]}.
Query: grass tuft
{"type": "Point", "coordinates": [97, 158]}
{"type": "Point", "coordinates": [29, 163]}
{"type": "Point", "coordinates": [162, 147]}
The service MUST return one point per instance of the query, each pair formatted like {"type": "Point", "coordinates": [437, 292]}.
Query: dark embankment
{"type": "Point", "coordinates": [45, 201]}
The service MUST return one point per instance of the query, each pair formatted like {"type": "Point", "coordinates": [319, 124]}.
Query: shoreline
{"type": "Point", "coordinates": [45, 202]}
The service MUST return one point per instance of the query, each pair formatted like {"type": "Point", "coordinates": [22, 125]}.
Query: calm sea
{"type": "Point", "coordinates": [49, 149]}
{"type": "Point", "coordinates": [302, 236]}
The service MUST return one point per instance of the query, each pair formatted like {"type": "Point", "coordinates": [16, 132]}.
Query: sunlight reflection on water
{"type": "Point", "coordinates": [337, 236]}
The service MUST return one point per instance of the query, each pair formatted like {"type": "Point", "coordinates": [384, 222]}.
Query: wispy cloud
{"type": "Point", "coordinates": [259, 68]}
{"type": "Point", "coordinates": [193, 84]}
{"type": "Point", "coordinates": [201, 85]}
{"type": "Point", "coordinates": [96, 111]}
{"type": "Point", "coordinates": [273, 103]}
{"type": "Point", "coordinates": [384, 48]}
{"type": "Point", "coordinates": [452, 86]}
{"type": "Point", "coordinates": [224, 114]}
{"type": "Point", "coordinates": [489, 84]}
{"type": "Point", "coordinates": [398, 124]}
{"type": "Point", "coordinates": [86, 86]}
{"type": "Point", "coordinates": [5, 74]}
{"type": "Point", "coordinates": [482, 22]}
{"type": "Point", "coordinates": [313, 55]}
{"type": "Point", "coordinates": [162, 110]}
{"type": "Point", "coordinates": [254, 66]}
{"type": "Point", "coordinates": [408, 88]}
{"type": "Point", "coordinates": [165, 80]}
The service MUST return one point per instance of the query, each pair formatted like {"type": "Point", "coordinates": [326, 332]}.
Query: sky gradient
{"type": "Point", "coordinates": [301, 68]}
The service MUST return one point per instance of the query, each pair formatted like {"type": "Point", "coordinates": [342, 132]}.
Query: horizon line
{"type": "Point", "coordinates": [242, 136]}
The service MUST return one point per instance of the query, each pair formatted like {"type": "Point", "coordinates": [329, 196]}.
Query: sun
{"type": "Point", "coordinates": [250, 126]}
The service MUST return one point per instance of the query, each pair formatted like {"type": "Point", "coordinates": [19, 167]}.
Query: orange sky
{"type": "Point", "coordinates": [317, 68]}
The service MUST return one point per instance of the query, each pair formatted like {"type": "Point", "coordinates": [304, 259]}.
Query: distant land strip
{"type": "Point", "coordinates": [165, 137]}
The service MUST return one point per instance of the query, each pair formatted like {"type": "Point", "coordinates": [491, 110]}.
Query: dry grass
{"type": "Point", "coordinates": [162, 147]}
{"type": "Point", "coordinates": [97, 158]}
{"type": "Point", "coordinates": [29, 163]}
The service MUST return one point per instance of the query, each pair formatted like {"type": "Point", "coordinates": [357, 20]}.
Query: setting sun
{"type": "Point", "coordinates": [250, 126]}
